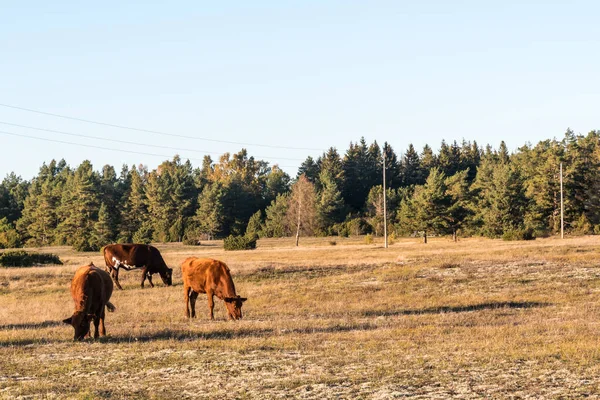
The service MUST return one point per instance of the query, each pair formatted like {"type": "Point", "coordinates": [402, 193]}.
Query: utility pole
{"type": "Point", "coordinates": [384, 203]}
{"type": "Point", "coordinates": [562, 208]}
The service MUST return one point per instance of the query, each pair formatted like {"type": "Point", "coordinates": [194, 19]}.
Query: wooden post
{"type": "Point", "coordinates": [384, 204]}
{"type": "Point", "coordinates": [562, 208]}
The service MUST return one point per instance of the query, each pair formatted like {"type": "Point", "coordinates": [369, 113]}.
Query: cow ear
{"type": "Point", "coordinates": [228, 299]}
{"type": "Point", "coordinates": [242, 299]}
{"type": "Point", "coordinates": [68, 321]}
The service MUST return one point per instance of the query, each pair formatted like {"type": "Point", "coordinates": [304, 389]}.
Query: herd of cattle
{"type": "Point", "coordinates": [92, 287]}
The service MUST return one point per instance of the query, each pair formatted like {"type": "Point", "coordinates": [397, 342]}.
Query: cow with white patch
{"type": "Point", "coordinates": [136, 256]}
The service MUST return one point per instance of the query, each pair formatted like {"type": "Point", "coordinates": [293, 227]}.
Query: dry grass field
{"type": "Point", "coordinates": [473, 319]}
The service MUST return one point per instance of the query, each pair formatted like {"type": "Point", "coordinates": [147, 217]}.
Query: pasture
{"type": "Point", "coordinates": [473, 319]}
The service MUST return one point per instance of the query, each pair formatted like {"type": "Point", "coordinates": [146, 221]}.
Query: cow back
{"type": "Point", "coordinates": [91, 288]}
{"type": "Point", "coordinates": [136, 255]}
{"type": "Point", "coordinates": [207, 274]}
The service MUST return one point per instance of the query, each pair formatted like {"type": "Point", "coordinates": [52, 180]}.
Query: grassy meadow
{"type": "Point", "coordinates": [474, 319]}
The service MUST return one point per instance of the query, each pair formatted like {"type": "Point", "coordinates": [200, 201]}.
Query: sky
{"type": "Point", "coordinates": [288, 79]}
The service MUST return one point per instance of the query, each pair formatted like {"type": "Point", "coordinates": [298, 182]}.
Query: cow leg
{"type": "Point", "coordinates": [115, 276]}
{"type": "Point", "coordinates": [149, 276]}
{"type": "Point", "coordinates": [102, 327]}
{"type": "Point", "coordinates": [144, 271]}
{"type": "Point", "coordinates": [211, 304]}
{"type": "Point", "coordinates": [186, 298]}
{"type": "Point", "coordinates": [96, 323]}
{"type": "Point", "coordinates": [193, 297]}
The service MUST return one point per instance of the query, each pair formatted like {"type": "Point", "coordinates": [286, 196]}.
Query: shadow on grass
{"type": "Point", "coordinates": [31, 325]}
{"type": "Point", "coordinates": [457, 309]}
{"type": "Point", "coordinates": [228, 334]}
{"type": "Point", "coordinates": [180, 335]}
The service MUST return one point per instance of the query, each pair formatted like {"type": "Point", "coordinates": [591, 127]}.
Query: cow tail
{"type": "Point", "coordinates": [110, 306]}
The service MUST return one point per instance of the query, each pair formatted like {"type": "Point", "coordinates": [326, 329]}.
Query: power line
{"type": "Point", "coordinates": [108, 148]}
{"type": "Point", "coordinates": [134, 143]}
{"type": "Point", "coordinates": [157, 132]}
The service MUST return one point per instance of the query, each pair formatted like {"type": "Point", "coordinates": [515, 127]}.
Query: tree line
{"type": "Point", "coordinates": [462, 189]}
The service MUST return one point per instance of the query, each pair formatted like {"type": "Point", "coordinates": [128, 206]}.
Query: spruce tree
{"type": "Point", "coordinates": [330, 205]}
{"type": "Point", "coordinates": [79, 208]}
{"type": "Point", "coordinates": [134, 210]}
{"type": "Point", "coordinates": [427, 210]}
{"type": "Point", "coordinates": [275, 224]}
{"type": "Point", "coordinates": [209, 216]}
{"type": "Point", "coordinates": [102, 228]}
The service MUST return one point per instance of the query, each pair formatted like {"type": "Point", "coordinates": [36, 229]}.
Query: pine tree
{"type": "Point", "coordinates": [79, 208]}
{"type": "Point", "coordinates": [254, 225]}
{"type": "Point", "coordinates": [276, 224]}
{"type": "Point", "coordinates": [427, 210]}
{"type": "Point", "coordinates": [330, 205]}
{"type": "Point", "coordinates": [39, 219]}
{"type": "Point", "coordinates": [428, 161]}
{"type": "Point", "coordinates": [13, 191]}
{"type": "Point", "coordinates": [502, 207]}
{"type": "Point", "coordinates": [102, 228]}
{"type": "Point", "coordinates": [393, 169]}
{"type": "Point", "coordinates": [310, 169]}
{"type": "Point", "coordinates": [412, 171]}
{"type": "Point", "coordinates": [209, 216]}
{"type": "Point", "coordinates": [134, 209]}
{"type": "Point", "coordinates": [459, 209]}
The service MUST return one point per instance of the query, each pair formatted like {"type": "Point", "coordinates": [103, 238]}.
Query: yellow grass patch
{"type": "Point", "coordinates": [477, 318]}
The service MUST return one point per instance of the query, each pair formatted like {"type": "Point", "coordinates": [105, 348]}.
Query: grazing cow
{"type": "Point", "coordinates": [91, 288]}
{"type": "Point", "coordinates": [205, 275]}
{"type": "Point", "coordinates": [135, 256]}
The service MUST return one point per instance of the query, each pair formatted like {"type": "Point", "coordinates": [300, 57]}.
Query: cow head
{"type": "Point", "coordinates": [167, 276]}
{"type": "Point", "coordinates": [234, 306]}
{"type": "Point", "coordinates": [81, 322]}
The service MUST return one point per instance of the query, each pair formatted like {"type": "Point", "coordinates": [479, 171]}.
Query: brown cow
{"type": "Point", "coordinates": [205, 275]}
{"type": "Point", "coordinates": [135, 256]}
{"type": "Point", "coordinates": [91, 289]}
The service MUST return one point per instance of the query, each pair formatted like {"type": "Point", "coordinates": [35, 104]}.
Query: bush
{"type": "Point", "coordinates": [391, 238]}
{"type": "Point", "coordinates": [191, 241]}
{"type": "Point", "coordinates": [22, 258]}
{"type": "Point", "coordinates": [368, 238]}
{"type": "Point", "coordinates": [239, 242]}
{"type": "Point", "coordinates": [582, 226]}
{"type": "Point", "coordinates": [519, 234]}
{"type": "Point", "coordinates": [332, 242]}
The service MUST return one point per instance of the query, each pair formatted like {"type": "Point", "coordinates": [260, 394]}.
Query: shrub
{"type": "Point", "coordinates": [391, 238]}
{"type": "Point", "coordinates": [332, 242]}
{"type": "Point", "coordinates": [21, 258]}
{"type": "Point", "coordinates": [519, 234]}
{"type": "Point", "coordinates": [582, 226]}
{"type": "Point", "coordinates": [239, 242]}
{"type": "Point", "coordinates": [368, 238]}
{"type": "Point", "coordinates": [191, 241]}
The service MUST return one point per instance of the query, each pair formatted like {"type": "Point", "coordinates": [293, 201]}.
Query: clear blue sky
{"type": "Point", "coordinates": [292, 73]}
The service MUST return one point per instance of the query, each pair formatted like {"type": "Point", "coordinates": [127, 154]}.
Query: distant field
{"type": "Point", "coordinates": [477, 318]}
